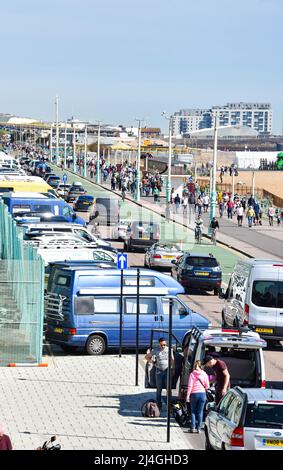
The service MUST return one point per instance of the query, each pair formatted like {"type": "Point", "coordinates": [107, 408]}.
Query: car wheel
{"type": "Point", "coordinates": [95, 345]}
{"type": "Point", "coordinates": [207, 444]}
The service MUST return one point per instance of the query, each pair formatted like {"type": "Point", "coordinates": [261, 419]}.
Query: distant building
{"type": "Point", "coordinates": [188, 120]}
{"type": "Point", "coordinates": [149, 132]}
{"type": "Point", "coordinates": [258, 116]}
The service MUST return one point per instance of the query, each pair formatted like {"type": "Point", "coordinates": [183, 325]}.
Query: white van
{"type": "Point", "coordinates": [44, 228]}
{"type": "Point", "coordinates": [255, 298]}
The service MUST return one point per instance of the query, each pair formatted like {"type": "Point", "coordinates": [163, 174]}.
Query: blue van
{"type": "Point", "coordinates": [82, 307]}
{"type": "Point", "coordinates": [38, 202]}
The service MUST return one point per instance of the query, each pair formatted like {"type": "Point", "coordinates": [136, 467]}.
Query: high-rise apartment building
{"type": "Point", "coordinates": [188, 120]}
{"type": "Point", "coordinates": [258, 116]}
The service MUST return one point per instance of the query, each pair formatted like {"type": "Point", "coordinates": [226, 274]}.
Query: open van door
{"type": "Point", "coordinates": [150, 369]}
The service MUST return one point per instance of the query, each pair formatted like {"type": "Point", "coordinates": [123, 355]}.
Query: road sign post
{"type": "Point", "coordinates": [169, 370]}
{"type": "Point", "coordinates": [137, 327]}
{"type": "Point", "coordinates": [122, 263]}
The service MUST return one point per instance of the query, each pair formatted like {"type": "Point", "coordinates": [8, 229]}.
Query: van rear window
{"type": "Point", "coordinates": [144, 281]}
{"type": "Point", "coordinates": [96, 305]}
{"type": "Point", "coordinates": [63, 280]}
{"type": "Point", "coordinates": [264, 293]}
{"type": "Point", "coordinates": [264, 415]}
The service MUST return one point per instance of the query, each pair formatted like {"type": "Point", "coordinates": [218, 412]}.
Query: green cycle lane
{"type": "Point", "coordinates": [169, 231]}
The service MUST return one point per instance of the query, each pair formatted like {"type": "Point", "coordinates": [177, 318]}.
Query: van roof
{"type": "Point", "coordinates": [126, 291]}
{"type": "Point", "coordinates": [260, 262]}
{"type": "Point", "coordinates": [28, 195]}
{"type": "Point", "coordinates": [263, 394]}
{"type": "Point", "coordinates": [57, 225]}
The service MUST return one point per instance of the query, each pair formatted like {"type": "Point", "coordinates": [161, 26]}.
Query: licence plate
{"type": "Point", "coordinates": [167, 257]}
{"type": "Point", "coordinates": [272, 442]}
{"type": "Point", "coordinates": [264, 330]}
{"type": "Point", "coordinates": [145, 237]}
{"type": "Point", "coordinates": [58, 330]}
{"type": "Point", "coordinates": [201, 274]}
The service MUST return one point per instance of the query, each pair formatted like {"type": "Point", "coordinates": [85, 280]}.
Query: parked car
{"type": "Point", "coordinates": [63, 189]}
{"type": "Point", "coordinates": [246, 419]}
{"type": "Point", "coordinates": [83, 202]}
{"type": "Point", "coordinates": [53, 181]}
{"type": "Point", "coordinates": [74, 192]}
{"type": "Point", "coordinates": [92, 307]}
{"type": "Point", "coordinates": [141, 235]}
{"type": "Point", "coordinates": [119, 232]}
{"type": "Point", "coordinates": [255, 298]}
{"type": "Point", "coordinates": [198, 271]}
{"type": "Point", "coordinates": [161, 255]}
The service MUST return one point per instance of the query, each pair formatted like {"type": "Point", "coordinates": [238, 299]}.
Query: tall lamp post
{"type": "Point", "coordinates": [168, 181]}
{"type": "Point", "coordinates": [213, 177]}
{"type": "Point", "coordinates": [98, 179]}
{"type": "Point", "coordinates": [74, 149]}
{"type": "Point", "coordinates": [137, 192]}
{"type": "Point", "coordinates": [65, 146]}
{"type": "Point", "coordinates": [57, 129]}
{"type": "Point", "coordinates": [85, 152]}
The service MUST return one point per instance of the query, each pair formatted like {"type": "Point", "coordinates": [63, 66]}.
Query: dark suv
{"type": "Point", "coordinates": [198, 271]}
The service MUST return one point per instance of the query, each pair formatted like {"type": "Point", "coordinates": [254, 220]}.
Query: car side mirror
{"type": "Point", "coordinates": [211, 406]}
{"type": "Point", "coordinates": [222, 293]}
{"type": "Point", "coordinates": [183, 311]}
{"type": "Point", "coordinates": [174, 261]}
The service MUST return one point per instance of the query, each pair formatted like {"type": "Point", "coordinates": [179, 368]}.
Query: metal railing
{"type": "Point", "coordinates": [21, 295]}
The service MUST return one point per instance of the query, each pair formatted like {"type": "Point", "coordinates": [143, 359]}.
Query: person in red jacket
{"type": "Point", "coordinates": [5, 441]}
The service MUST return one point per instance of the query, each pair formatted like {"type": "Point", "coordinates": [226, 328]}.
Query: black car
{"type": "Point", "coordinates": [74, 192]}
{"type": "Point", "coordinates": [83, 202]}
{"type": "Point", "coordinates": [198, 271]}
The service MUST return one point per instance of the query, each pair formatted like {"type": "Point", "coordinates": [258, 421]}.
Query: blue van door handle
{"type": "Point", "coordinates": [161, 318]}
{"type": "Point", "coordinates": [155, 317]}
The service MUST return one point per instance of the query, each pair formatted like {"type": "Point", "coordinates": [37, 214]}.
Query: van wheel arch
{"type": "Point", "coordinates": [96, 344]}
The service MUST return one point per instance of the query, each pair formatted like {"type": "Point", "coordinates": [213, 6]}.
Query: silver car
{"type": "Point", "coordinates": [246, 419]}
{"type": "Point", "coordinates": [161, 255]}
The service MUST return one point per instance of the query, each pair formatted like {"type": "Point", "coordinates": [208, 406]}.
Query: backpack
{"type": "Point", "coordinates": [150, 409]}
{"type": "Point", "coordinates": [179, 412]}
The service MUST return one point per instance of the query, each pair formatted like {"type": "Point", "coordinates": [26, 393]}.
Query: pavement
{"type": "Point", "coordinates": [89, 403]}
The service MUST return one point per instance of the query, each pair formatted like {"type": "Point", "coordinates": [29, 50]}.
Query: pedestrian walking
{"type": "Point", "coordinates": [196, 394]}
{"type": "Point", "coordinates": [240, 215]}
{"type": "Point", "coordinates": [222, 376]}
{"type": "Point", "coordinates": [5, 441]}
{"type": "Point", "coordinates": [250, 216]}
{"type": "Point", "coordinates": [177, 202]}
{"type": "Point", "coordinates": [159, 357]}
{"type": "Point", "coordinates": [185, 204]}
{"type": "Point", "coordinates": [230, 207]}
{"type": "Point", "coordinates": [205, 202]}
{"type": "Point", "coordinates": [271, 214]}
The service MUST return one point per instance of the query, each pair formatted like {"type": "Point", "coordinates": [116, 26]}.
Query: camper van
{"type": "Point", "coordinates": [255, 298]}
{"type": "Point", "coordinates": [37, 202]}
{"type": "Point", "coordinates": [24, 183]}
{"type": "Point", "coordinates": [82, 307]}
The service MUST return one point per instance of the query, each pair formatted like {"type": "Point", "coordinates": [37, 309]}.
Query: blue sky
{"type": "Point", "coordinates": [115, 60]}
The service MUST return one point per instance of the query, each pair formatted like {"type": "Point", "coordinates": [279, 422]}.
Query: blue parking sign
{"type": "Point", "coordinates": [64, 178]}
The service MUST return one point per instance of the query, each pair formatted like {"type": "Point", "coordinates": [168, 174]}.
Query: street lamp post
{"type": "Point", "coordinates": [137, 192]}
{"type": "Point", "coordinates": [57, 129]}
{"type": "Point", "coordinates": [168, 181]}
{"type": "Point", "coordinates": [50, 144]}
{"type": "Point", "coordinates": [98, 179]}
{"type": "Point", "coordinates": [213, 177]}
{"type": "Point", "coordinates": [74, 150]}
{"type": "Point", "coordinates": [85, 152]}
{"type": "Point", "coordinates": [65, 146]}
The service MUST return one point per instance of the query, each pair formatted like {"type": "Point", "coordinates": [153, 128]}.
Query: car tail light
{"type": "Point", "coordinates": [237, 437]}
{"type": "Point", "coordinates": [247, 311]}
{"type": "Point", "coordinates": [263, 384]}
{"type": "Point", "coordinates": [72, 331]}
{"type": "Point", "coordinates": [157, 256]}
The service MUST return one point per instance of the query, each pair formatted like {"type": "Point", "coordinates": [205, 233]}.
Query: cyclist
{"type": "Point", "coordinates": [198, 228]}
{"type": "Point", "coordinates": [214, 225]}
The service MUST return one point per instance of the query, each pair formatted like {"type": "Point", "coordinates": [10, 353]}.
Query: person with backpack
{"type": "Point", "coordinates": [196, 395]}
{"type": "Point", "coordinates": [159, 357]}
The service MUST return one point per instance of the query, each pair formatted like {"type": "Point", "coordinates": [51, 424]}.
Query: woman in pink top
{"type": "Point", "coordinates": [196, 395]}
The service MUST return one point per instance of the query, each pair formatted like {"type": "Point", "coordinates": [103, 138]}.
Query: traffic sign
{"type": "Point", "coordinates": [122, 261]}
{"type": "Point", "coordinates": [191, 179]}
{"type": "Point", "coordinates": [64, 178]}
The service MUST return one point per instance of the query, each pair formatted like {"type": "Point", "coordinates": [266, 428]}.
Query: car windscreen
{"type": "Point", "coordinates": [201, 262]}
{"type": "Point", "coordinates": [86, 198]}
{"type": "Point", "coordinates": [264, 415]}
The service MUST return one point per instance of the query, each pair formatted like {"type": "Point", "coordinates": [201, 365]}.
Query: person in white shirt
{"type": "Point", "coordinates": [205, 202]}
{"type": "Point", "coordinates": [240, 214]}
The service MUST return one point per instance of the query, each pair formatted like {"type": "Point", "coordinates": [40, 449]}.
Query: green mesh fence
{"type": "Point", "coordinates": [21, 296]}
